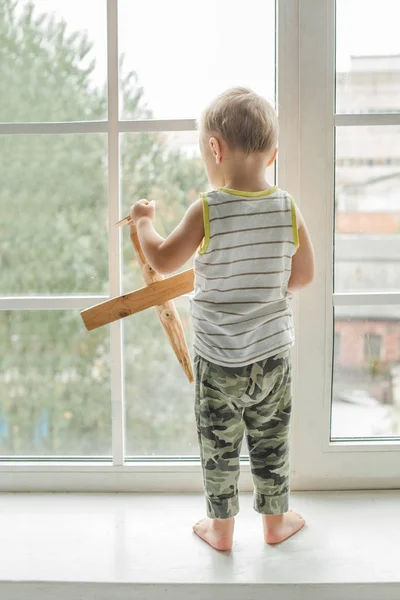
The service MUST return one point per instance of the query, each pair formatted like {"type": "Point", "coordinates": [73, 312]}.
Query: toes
{"type": "Point", "coordinates": [199, 522]}
{"type": "Point", "coordinates": [197, 525]}
{"type": "Point", "coordinates": [296, 515]}
{"type": "Point", "coordinates": [300, 517]}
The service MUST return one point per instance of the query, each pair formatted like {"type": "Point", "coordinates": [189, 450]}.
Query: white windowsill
{"type": "Point", "coordinates": [103, 546]}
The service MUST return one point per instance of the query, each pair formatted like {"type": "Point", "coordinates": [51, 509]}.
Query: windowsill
{"type": "Point", "coordinates": [140, 546]}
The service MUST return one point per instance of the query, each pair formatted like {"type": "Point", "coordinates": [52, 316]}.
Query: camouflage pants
{"type": "Point", "coordinates": [229, 401]}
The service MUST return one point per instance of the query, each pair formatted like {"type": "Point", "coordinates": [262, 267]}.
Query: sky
{"type": "Point", "coordinates": [186, 51]}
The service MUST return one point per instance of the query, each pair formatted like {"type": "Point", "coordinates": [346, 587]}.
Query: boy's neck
{"type": "Point", "coordinates": [246, 174]}
{"type": "Point", "coordinates": [247, 184]}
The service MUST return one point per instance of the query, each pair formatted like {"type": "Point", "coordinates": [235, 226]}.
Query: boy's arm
{"type": "Point", "coordinates": [166, 255]}
{"type": "Point", "coordinates": [303, 262]}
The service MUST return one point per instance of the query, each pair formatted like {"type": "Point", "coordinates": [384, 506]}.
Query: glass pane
{"type": "Point", "coordinates": [366, 376]}
{"type": "Point", "coordinates": [165, 167]}
{"type": "Point", "coordinates": [53, 60]}
{"type": "Point", "coordinates": [182, 53]}
{"type": "Point", "coordinates": [53, 214]}
{"type": "Point", "coordinates": [159, 399]}
{"type": "Point", "coordinates": [367, 240]}
{"type": "Point", "coordinates": [367, 56]}
{"type": "Point", "coordinates": [54, 385]}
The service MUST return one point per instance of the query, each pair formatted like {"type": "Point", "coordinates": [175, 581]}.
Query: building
{"type": "Point", "coordinates": [367, 240]}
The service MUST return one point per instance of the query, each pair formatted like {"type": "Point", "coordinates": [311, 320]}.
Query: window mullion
{"type": "Point", "coordinates": [314, 345]}
{"type": "Point", "coordinates": [114, 256]}
{"type": "Point", "coordinates": [49, 302]}
{"type": "Point", "coordinates": [53, 128]}
{"type": "Point", "coordinates": [288, 174]}
{"type": "Point", "coordinates": [287, 83]}
{"type": "Point", "coordinates": [366, 298]}
{"type": "Point", "coordinates": [367, 120]}
{"type": "Point", "coordinates": [152, 125]}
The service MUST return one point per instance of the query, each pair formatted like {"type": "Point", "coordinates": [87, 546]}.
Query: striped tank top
{"type": "Point", "coordinates": [240, 305]}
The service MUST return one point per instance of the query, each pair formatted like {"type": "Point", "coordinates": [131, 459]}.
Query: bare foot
{"type": "Point", "coordinates": [278, 528]}
{"type": "Point", "coordinates": [216, 532]}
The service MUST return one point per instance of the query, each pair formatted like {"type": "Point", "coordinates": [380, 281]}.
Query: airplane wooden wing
{"type": "Point", "coordinates": [159, 293]}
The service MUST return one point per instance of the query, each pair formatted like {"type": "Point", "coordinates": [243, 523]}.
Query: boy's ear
{"type": "Point", "coordinates": [273, 157]}
{"type": "Point", "coordinates": [215, 148]}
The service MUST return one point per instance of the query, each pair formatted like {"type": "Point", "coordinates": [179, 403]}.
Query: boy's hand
{"type": "Point", "coordinates": [141, 209]}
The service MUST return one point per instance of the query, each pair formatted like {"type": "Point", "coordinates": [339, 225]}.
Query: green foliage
{"type": "Point", "coordinates": [54, 376]}
{"type": "Point", "coordinates": [54, 385]}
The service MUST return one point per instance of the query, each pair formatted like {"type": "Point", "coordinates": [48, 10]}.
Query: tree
{"type": "Point", "coordinates": [54, 376]}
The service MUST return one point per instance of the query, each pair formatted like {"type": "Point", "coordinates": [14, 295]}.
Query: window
{"type": "Point", "coordinates": [181, 77]}
{"type": "Point", "coordinates": [367, 66]}
{"type": "Point", "coordinates": [166, 166]}
{"type": "Point", "coordinates": [349, 393]}
{"type": "Point", "coordinates": [367, 241]}
{"type": "Point", "coordinates": [46, 45]}
{"type": "Point", "coordinates": [54, 378]}
{"type": "Point", "coordinates": [93, 122]}
{"type": "Point", "coordinates": [50, 372]}
{"type": "Point", "coordinates": [90, 123]}
{"type": "Point", "coordinates": [364, 395]}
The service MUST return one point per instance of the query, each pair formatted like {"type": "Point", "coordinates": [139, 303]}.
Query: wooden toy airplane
{"type": "Point", "coordinates": [159, 293]}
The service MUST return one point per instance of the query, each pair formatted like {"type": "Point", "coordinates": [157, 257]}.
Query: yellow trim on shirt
{"type": "Point", "coordinates": [206, 218]}
{"type": "Point", "coordinates": [294, 223]}
{"type": "Point", "coordinates": [248, 194]}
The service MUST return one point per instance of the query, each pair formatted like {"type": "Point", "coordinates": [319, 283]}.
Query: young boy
{"type": "Point", "coordinates": [254, 251]}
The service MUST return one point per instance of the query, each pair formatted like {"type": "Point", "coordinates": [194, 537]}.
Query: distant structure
{"type": "Point", "coordinates": [367, 244]}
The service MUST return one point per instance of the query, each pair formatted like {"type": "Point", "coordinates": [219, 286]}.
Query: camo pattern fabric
{"type": "Point", "coordinates": [255, 399]}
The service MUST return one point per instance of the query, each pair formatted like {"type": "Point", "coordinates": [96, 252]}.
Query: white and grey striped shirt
{"type": "Point", "coordinates": [240, 306]}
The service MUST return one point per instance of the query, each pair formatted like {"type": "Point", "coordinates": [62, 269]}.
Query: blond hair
{"type": "Point", "coordinates": [244, 119]}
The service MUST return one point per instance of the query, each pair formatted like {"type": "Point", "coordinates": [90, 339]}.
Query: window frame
{"type": "Point", "coordinates": [305, 42]}
{"type": "Point", "coordinates": [318, 462]}
{"type": "Point", "coordinates": [118, 472]}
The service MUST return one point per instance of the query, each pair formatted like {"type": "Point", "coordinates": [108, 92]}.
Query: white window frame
{"type": "Point", "coordinates": [317, 462]}
{"type": "Point", "coordinates": [89, 474]}
{"type": "Point", "coordinates": [305, 92]}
